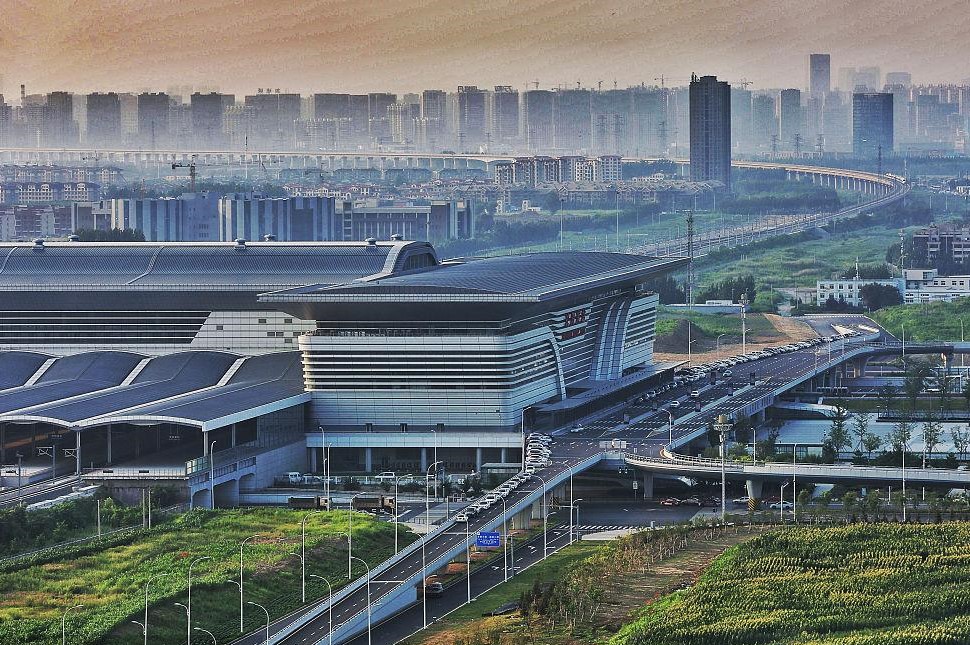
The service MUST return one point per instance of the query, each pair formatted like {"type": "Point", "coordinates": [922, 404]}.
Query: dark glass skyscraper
{"type": "Point", "coordinates": [710, 129]}
{"type": "Point", "coordinates": [872, 124]}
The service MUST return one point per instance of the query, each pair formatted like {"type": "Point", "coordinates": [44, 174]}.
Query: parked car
{"type": "Point", "coordinates": [691, 501]}
{"type": "Point", "coordinates": [741, 501]}
{"type": "Point", "coordinates": [670, 501]}
{"type": "Point", "coordinates": [781, 506]}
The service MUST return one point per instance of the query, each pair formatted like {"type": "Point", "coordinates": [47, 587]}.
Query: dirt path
{"type": "Point", "coordinates": [625, 597]}
{"type": "Point", "coordinates": [791, 330]}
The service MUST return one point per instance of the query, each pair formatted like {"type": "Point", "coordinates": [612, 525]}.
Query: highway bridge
{"type": "Point", "coordinates": [649, 442]}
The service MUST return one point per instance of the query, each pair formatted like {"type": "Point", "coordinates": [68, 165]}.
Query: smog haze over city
{"type": "Point", "coordinates": [408, 45]}
{"type": "Point", "coordinates": [484, 322]}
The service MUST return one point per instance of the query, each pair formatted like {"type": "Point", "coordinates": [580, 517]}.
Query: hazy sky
{"type": "Point", "coordinates": [406, 45]}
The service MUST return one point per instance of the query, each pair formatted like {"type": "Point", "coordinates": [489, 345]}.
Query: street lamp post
{"type": "Point", "coordinates": [468, 564]}
{"type": "Point", "coordinates": [368, 601]}
{"type": "Point", "coordinates": [212, 482]}
{"type": "Point", "coordinates": [903, 472]}
{"type": "Point", "coordinates": [670, 425]}
{"type": "Point", "coordinates": [717, 345]}
{"type": "Point", "coordinates": [545, 518]}
{"type": "Point", "coordinates": [505, 530]}
{"type": "Point", "coordinates": [188, 620]}
{"type": "Point", "coordinates": [250, 602]}
{"type": "Point", "coordinates": [241, 545]}
{"type": "Point", "coordinates": [64, 623]}
{"type": "Point", "coordinates": [206, 631]}
{"type": "Point", "coordinates": [427, 495]}
{"type": "Point", "coordinates": [329, 605]}
{"type": "Point", "coordinates": [147, 585]}
{"type": "Point", "coordinates": [723, 426]}
{"type": "Point", "coordinates": [794, 492]}
{"type": "Point", "coordinates": [188, 639]}
{"type": "Point", "coordinates": [781, 495]}
{"type": "Point", "coordinates": [303, 557]}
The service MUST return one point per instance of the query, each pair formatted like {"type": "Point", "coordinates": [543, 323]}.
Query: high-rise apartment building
{"type": "Point", "coordinates": [539, 120]}
{"type": "Point", "coordinates": [153, 120]}
{"type": "Point", "coordinates": [872, 124]}
{"type": "Point", "coordinates": [741, 120]}
{"type": "Point", "coordinates": [791, 123]}
{"type": "Point", "coordinates": [899, 78]}
{"type": "Point", "coordinates": [207, 112]}
{"type": "Point", "coordinates": [819, 74]}
{"type": "Point", "coordinates": [573, 120]}
{"type": "Point", "coordinates": [504, 115]}
{"type": "Point", "coordinates": [103, 120]}
{"type": "Point", "coordinates": [62, 130]}
{"type": "Point", "coordinates": [471, 128]}
{"type": "Point", "coordinates": [710, 129]}
{"type": "Point", "coordinates": [378, 119]}
{"type": "Point", "coordinates": [433, 128]}
{"type": "Point", "coordinates": [764, 125]}
{"type": "Point", "coordinates": [275, 117]}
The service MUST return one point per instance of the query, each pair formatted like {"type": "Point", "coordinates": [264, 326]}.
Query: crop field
{"type": "Point", "coordinates": [862, 584]}
{"type": "Point", "coordinates": [109, 578]}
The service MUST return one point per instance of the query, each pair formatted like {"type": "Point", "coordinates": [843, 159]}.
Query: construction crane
{"type": "Point", "coordinates": [191, 166]}
{"type": "Point", "coordinates": [663, 79]}
{"type": "Point", "coordinates": [743, 83]}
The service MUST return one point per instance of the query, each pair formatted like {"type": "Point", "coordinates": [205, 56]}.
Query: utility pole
{"type": "Point", "coordinates": [690, 280]}
{"type": "Point", "coordinates": [744, 323]}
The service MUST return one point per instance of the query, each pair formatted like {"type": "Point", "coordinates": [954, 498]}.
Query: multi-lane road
{"type": "Point", "coordinates": [647, 432]}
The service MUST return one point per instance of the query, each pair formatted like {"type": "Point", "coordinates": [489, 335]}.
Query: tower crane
{"type": "Point", "coordinates": [191, 166]}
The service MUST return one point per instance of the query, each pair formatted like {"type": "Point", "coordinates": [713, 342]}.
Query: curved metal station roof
{"type": "Point", "coordinates": [206, 389]}
{"type": "Point", "coordinates": [530, 277]}
{"type": "Point", "coordinates": [201, 265]}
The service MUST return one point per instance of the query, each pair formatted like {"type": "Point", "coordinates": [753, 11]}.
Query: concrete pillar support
{"type": "Point", "coordinates": [754, 488]}
{"type": "Point", "coordinates": [368, 459]}
{"type": "Point", "coordinates": [478, 459]}
{"type": "Point", "coordinates": [647, 485]}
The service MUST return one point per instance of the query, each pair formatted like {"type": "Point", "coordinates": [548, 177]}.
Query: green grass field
{"type": "Point", "coordinates": [713, 325]}
{"type": "Point", "coordinates": [803, 264]}
{"type": "Point", "coordinates": [864, 584]}
{"type": "Point", "coordinates": [931, 321]}
{"type": "Point", "coordinates": [545, 570]}
{"type": "Point", "coordinates": [110, 582]}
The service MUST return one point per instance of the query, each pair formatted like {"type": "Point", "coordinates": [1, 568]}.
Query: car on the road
{"type": "Point", "coordinates": [461, 517]}
{"type": "Point", "coordinates": [741, 501]}
{"type": "Point", "coordinates": [695, 394]}
{"type": "Point", "coordinates": [693, 500]}
{"type": "Point", "coordinates": [675, 403]}
{"type": "Point", "coordinates": [670, 501]}
{"type": "Point", "coordinates": [781, 506]}
{"type": "Point", "coordinates": [726, 374]}
{"type": "Point", "coordinates": [434, 589]}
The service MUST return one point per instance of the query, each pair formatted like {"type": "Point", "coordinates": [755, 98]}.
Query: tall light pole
{"type": "Point", "coordinates": [350, 534]}
{"type": "Point", "coordinates": [903, 472]}
{"type": "Point", "coordinates": [241, 545]}
{"type": "Point", "coordinates": [206, 631]}
{"type": "Point", "coordinates": [717, 345]}
{"type": "Point", "coordinates": [147, 585]}
{"type": "Point", "coordinates": [545, 518]}
{"type": "Point", "coordinates": [64, 623]}
{"type": "Point", "coordinates": [424, 540]}
{"type": "Point", "coordinates": [427, 497]}
{"type": "Point", "coordinates": [794, 492]}
{"type": "Point", "coordinates": [744, 323]}
{"type": "Point", "coordinates": [212, 481]}
{"type": "Point", "coordinates": [468, 564]}
{"type": "Point", "coordinates": [303, 557]}
{"type": "Point", "coordinates": [368, 601]}
{"type": "Point", "coordinates": [396, 497]}
{"type": "Point", "coordinates": [325, 456]}
{"type": "Point", "coordinates": [329, 605]}
{"type": "Point", "coordinates": [188, 608]}
{"type": "Point", "coordinates": [250, 602]}
{"type": "Point", "coordinates": [723, 426]}
{"type": "Point", "coordinates": [188, 620]}
{"type": "Point", "coordinates": [505, 530]}
{"type": "Point", "coordinates": [670, 425]}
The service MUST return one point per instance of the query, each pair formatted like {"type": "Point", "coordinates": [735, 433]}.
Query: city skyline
{"type": "Point", "coordinates": [333, 45]}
